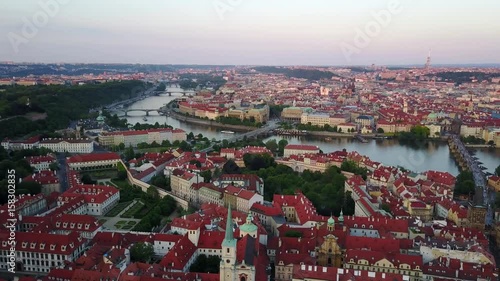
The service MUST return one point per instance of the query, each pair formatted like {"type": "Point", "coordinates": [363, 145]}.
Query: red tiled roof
{"type": "Point", "coordinates": [302, 147]}
{"type": "Point", "coordinates": [93, 157]}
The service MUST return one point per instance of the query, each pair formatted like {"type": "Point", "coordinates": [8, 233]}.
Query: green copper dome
{"type": "Point", "coordinates": [331, 221]}
{"type": "Point", "coordinates": [248, 227]}
{"type": "Point", "coordinates": [341, 216]}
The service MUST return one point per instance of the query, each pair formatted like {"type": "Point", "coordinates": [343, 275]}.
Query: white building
{"type": "Point", "coordinates": [316, 119]}
{"type": "Point", "coordinates": [39, 252]}
{"type": "Point", "coordinates": [133, 138]}
{"type": "Point", "coordinates": [68, 145]}
{"type": "Point", "coordinates": [299, 149]}
{"type": "Point", "coordinates": [93, 161]}
{"type": "Point", "coordinates": [99, 198]}
{"type": "Point", "coordinates": [40, 163]}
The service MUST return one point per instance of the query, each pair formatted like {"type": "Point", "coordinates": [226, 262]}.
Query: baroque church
{"type": "Point", "coordinates": [243, 258]}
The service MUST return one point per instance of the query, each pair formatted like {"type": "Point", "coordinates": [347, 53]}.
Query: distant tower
{"type": "Point", "coordinates": [405, 106]}
{"type": "Point", "coordinates": [428, 62]}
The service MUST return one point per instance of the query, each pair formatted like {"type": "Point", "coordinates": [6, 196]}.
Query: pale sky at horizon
{"type": "Point", "coordinates": [276, 32]}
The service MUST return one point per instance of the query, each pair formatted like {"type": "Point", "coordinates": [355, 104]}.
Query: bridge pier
{"type": "Point", "coordinates": [147, 113]}
{"type": "Point", "coordinates": [126, 113]}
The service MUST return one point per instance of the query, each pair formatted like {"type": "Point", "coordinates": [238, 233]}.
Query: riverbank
{"type": "Point", "coordinates": [480, 146]}
{"type": "Point", "coordinates": [211, 123]}
{"type": "Point", "coordinates": [336, 135]}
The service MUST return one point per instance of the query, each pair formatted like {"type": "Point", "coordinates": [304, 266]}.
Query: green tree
{"type": "Point", "coordinates": [129, 153]}
{"type": "Point", "coordinates": [206, 264]}
{"type": "Point", "coordinates": [152, 193]}
{"type": "Point", "coordinates": [185, 146]}
{"type": "Point", "coordinates": [121, 146]}
{"type": "Point", "coordinates": [464, 185]}
{"type": "Point", "coordinates": [256, 162]}
{"type": "Point", "coordinates": [420, 132]}
{"type": "Point", "coordinates": [272, 145]}
{"type": "Point", "coordinates": [281, 146]}
{"type": "Point", "coordinates": [54, 166]}
{"type": "Point", "coordinates": [87, 179]}
{"type": "Point", "coordinates": [159, 181]}
{"type": "Point", "coordinates": [121, 175]}
{"type": "Point", "coordinates": [386, 207]}
{"type": "Point", "coordinates": [207, 176]}
{"type": "Point", "coordinates": [380, 130]}
{"type": "Point", "coordinates": [141, 252]}
{"type": "Point", "coordinates": [230, 167]}
{"type": "Point", "coordinates": [30, 187]}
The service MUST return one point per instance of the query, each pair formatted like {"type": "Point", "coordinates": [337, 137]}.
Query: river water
{"type": "Point", "coordinates": [430, 156]}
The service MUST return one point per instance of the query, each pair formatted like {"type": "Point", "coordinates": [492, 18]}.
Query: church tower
{"type": "Point", "coordinates": [228, 262]}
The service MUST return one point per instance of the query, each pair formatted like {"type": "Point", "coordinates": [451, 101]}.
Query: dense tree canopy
{"type": "Point", "coordinates": [311, 74]}
{"type": "Point", "coordinates": [60, 103]}
{"type": "Point", "coordinates": [464, 185]}
{"type": "Point", "coordinates": [206, 264]}
{"type": "Point", "coordinates": [325, 190]}
{"type": "Point", "coordinates": [141, 252]}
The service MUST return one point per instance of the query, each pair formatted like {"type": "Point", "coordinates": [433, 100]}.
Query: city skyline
{"type": "Point", "coordinates": [223, 32]}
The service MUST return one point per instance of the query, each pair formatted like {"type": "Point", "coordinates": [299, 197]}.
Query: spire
{"type": "Point", "coordinates": [229, 225]}
{"type": "Point", "coordinates": [331, 221]}
{"type": "Point", "coordinates": [341, 216]}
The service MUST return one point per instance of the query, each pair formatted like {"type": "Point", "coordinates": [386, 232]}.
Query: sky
{"type": "Point", "coordinates": [250, 32]}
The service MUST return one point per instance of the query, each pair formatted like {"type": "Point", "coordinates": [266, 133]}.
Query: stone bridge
{"type": "Point", "coordinates": [146, 110]}
{"type": "Point", "coordinates": [469, 163]}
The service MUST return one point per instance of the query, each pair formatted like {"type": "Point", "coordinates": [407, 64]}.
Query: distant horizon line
{"type": "Point", "coordinates": [494, 64]}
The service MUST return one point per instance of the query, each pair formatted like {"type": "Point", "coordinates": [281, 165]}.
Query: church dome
{"type": "Point", "coordinates": [248, 227]}
{"type": "Point", "coordinates": [331, 221]}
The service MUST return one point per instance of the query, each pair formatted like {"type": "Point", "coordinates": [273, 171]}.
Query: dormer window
{"type": "Point", "coordinates": [58, 224]}
{"type": "Point", "coordinates": [25, 244]}
{"type": "Point", "coordinates": [65, 224]}
{"type": "Point", "coordinates": [52, 247]}
{"type": "Point", "coordinates": [42, 246]}
{"type": "Point", "coordinates": [79, 225]}
{"type": "Point", "coordinates": [32, 245]}
{"type": "Point", "coordinates": [63, 248]}
{"type": "Point", "coordinates": [72, 225]}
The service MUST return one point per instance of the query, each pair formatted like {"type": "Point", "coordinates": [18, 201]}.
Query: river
{"type": "Point", "coordinates": [157, 102]}
{"type": "Point", "coordinates": [431, 156]}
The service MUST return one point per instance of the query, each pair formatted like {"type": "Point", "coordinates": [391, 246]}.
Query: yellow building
{"type": "Point", "coordinates": [292, 113]}
{"type": "Point", "coordinates": [419, 209]}
{"type": "Point", "coordinates": [494, 182]}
